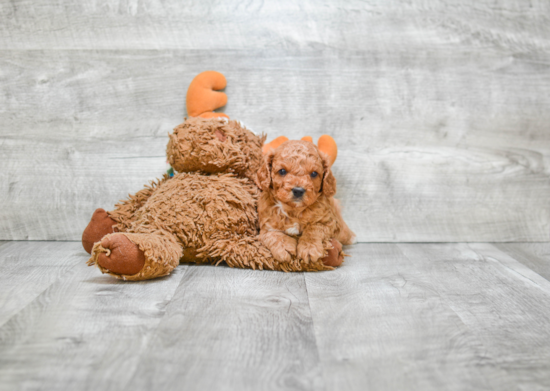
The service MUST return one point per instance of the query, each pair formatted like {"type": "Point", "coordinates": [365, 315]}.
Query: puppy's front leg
{"type": "Point", "coordinates": [283, 247]}
{"type": "Point", "coordinates": [310, 244]}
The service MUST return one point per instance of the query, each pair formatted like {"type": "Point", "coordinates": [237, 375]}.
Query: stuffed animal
{"type": "Point", "coordinates": [205, 213]}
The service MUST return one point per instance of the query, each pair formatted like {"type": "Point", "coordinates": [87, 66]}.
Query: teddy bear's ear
{"type": "Point", "coordinates": [274, 144]}
{"type": "Point", "coordinates": [203, 97]}
{"type": "Point", "coordinates": [263, 176]}
{"type": "Point", "coordinates": [327, 145]}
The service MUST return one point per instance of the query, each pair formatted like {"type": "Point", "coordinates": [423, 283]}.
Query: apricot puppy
{"type": "Point", "coordinates": [297, 212]}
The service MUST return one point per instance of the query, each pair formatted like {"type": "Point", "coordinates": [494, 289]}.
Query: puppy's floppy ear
{"type": "Point", "coordinates": [263, 176]}
{"type": "Point", "coordinates": [328, 188]}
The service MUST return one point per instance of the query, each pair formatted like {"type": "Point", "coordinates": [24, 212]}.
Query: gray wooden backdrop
{"type": "Point", "coordinates": [440, 108]}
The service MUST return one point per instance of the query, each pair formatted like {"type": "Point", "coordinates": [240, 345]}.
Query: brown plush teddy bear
{"type": "Point", "coordinates": [205, 213]}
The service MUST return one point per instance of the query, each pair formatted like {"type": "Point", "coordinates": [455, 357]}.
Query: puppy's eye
{"type": "Point", "coordinates": [282, 172]}
{"type": "Point", "coordinates": [314, 174]}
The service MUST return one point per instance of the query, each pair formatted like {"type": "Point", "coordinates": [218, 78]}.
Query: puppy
{"type": "Point", "coordinates": [297, 212]}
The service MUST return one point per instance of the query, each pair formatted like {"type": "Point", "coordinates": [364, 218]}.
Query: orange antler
{"type": "Point", "coordinates": [202, 96]}
{"type": "Point", "coordinates": [327, 145]}
{"type": "Point", "coordinates": [274, 144]}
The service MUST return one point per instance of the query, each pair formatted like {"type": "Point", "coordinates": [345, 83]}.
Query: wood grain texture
{"type": "Point", "coordinates": [85, 331]}
{"type": "Point", "coordinates": [233, 329]}
{"type": "Point", "coordinates": [28, 268]}
{"type": "Point", "coordinates": [69, 179]}
{"type": "Point", "coordinates": [535, 256]}
{"type": "Point", "coordinates": [439, 110]}
{"type": "Point", "coordinates": [507, 306]}
{"type": "Point", "coordinates": [428, 316]}
{"type": "Point", "coordinates": [394, 317]}
{"type": "Point", "coordinates": [285, 24]}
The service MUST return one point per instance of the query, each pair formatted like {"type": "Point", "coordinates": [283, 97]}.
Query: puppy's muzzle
{"type": "Point", "coordinates": [298, 192]}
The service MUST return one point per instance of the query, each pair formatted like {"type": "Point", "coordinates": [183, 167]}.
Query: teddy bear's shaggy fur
{"type": "Point", "coordinates": [206, 213]}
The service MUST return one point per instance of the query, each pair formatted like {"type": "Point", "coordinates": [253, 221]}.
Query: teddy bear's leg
{"type": "Point", "coordinates": [100, 225]}
{"type": "Point", "coordinates": [125, 211]}
{"type": "Point", "coordinates": [137, 256]}
{"type": "Point", "coordinates": [119, 219]}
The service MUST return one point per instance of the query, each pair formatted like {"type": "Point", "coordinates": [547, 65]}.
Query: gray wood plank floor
{"type": "Point", "coordinates": [394, 317]}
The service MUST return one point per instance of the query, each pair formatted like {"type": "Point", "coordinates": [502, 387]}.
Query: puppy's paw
{"type": "Point", "coordinates": [284, 250]}
{"type": "Point", "coordinates": [310, 251]}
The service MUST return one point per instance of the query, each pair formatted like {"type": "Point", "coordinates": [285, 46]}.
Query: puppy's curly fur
{"type": "Point", "coordinates": [297, 212]}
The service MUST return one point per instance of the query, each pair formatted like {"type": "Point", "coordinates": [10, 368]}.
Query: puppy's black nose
{"type": "Point", "coordinates": [298, 192]}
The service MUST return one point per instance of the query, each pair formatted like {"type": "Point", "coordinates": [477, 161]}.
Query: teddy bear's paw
{"type": "Point", "coordinates": [121, 256]}
{"type": "Point", "coordinates": [99, 226]}
{"type": "Point", "coordinates": [335, 256]}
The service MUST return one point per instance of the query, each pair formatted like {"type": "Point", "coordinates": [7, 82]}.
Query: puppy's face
{"type": "Point", "coordinates": [297, 174]}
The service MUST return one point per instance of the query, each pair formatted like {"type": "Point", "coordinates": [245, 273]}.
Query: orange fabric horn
{"type": "Point", "coordinates": [327, 145]}
{"type": "Point", "coordinates": [274, 144]}
{"type": "Point", "coordinates": [203, 97]}
{"type": "Point", "coordinates": [307, 138]}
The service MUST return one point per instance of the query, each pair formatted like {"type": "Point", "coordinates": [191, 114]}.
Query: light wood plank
{"type": "Point", "coordinates": [429, 317]}
{"type": "Point", "coordinates": [86, 331]}
{"type": "Point", "coordinates": [250, 25]}
{"type": "Point", "coordinates": [504, 303]}
{"type": "Point", "coordinates": [467, 160]}
{"type": "Point", "coordinates": [425, 194]}
{"type": "Point", "coordinates": [66, 187]}
{"type": "Point", "coordinates": [533, 255]}
{"type": "Point", "coordinates": [141, 93]}
{"type": "Point", "coordinates": [395, 316]}
{"type": "Point", "coordinates": [28, 268]}
{"type": "Point", "coordinates": [233, 329]}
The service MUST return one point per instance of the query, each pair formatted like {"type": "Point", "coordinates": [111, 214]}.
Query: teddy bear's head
{"type": "Point", "coordinates": [214, 145]}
